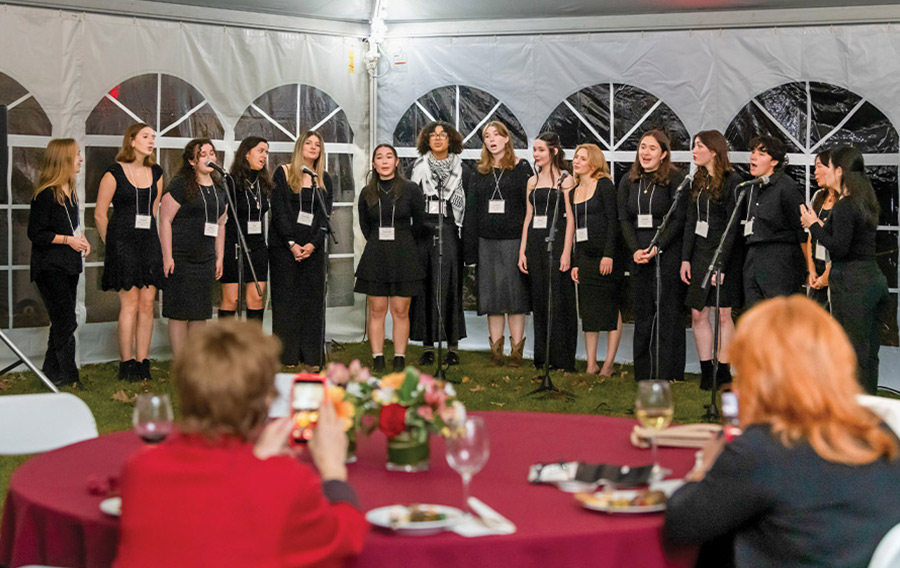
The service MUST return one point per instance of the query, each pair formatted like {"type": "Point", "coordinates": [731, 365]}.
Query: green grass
{"type": "Point", "coordinates": [481, 387]}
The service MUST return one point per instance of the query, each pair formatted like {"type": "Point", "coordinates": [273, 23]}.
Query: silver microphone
{"type": "Point", "coordinates": [761, 180]}
{"type": "Point", "coordinates": [685, 182]}
{"type": "Point", "coordinates": [212, 165]}
{"type": "Point", "coordinates": [309, 171]}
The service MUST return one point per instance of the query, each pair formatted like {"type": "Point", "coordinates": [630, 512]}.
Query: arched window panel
{"type": "Point", "coordinates": [884, 181]}
{"type": "Point", "coordinates": [636, 111]}
{"type": "Point", "coordinates": [283, 113]}
{"type": "Point", "coordinates": [751, 122]}
{"type": "Point", "coordinates": [25, 115]}
{"type": "Point", "coordinates": [583, 117]}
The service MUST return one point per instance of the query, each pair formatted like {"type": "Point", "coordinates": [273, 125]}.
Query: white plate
{"type": "Point", "coordinates": [112, 506]}
{"type": "Point", "coordinates": [624, 494]}
{"type": "Point", "coordinates": [381, 517]}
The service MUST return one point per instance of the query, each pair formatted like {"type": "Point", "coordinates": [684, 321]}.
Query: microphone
{"type": "Point", "coordinates": [685, 182]}
{"type": "Point", "coordinates": [761, 180]}
{"type": "Point", "coordinates": [308, 171]}
{"type": "Point", "coordinates": [212, 165]}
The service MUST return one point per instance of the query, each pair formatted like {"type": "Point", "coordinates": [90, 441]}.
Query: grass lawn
{"type": "Point", "coordinates": [481, 388]}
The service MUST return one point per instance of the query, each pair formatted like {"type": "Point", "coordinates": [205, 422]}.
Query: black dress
{"type": "Point", "coordinates": [251, 205]}
{"type": "Point", "coordinates": [298, 288]}
{"type": "Point", "coordinates": [645, 197]}
{"type": "Point", "coordinates": [819, 253]}
{"type": "Point", "coordinates": [133, 255]}
{"type": "Point", "coordinates": [492, 236]}
{"type": "Point", "coordinates": [391, 267]}
{"type": "Point", "coordinates": [564, 326]}
{"type": "Point", "coordinates": [55, 269]}
{"type": "Point", "coordinates": [699, 249]}
{"type": "Point", "coordinates": [596, 237]}
{"type": "Point", "coordinates": [189, 288]}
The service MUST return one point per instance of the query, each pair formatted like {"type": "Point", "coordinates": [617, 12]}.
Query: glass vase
{"type": "Point", "coordinates": [409, 451]}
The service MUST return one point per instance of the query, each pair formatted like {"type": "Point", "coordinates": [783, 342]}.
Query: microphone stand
{"type": "Point", "coordinates": [547, 384]}
{"type": "Point", "coordinates": [440, 371]}
{"type": "Point", "coordinates": [241, 250]}
{"type": "Point", "coordinates": [658, 274]}
{"type": "Point", "coordinates": [328, 233]}
{"type": "Point", "coordinates": [714, 270]}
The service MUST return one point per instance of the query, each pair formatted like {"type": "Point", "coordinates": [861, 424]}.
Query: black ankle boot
{"type": "Point", "coordinates": [723, 377]}
{"type": "Point", "coordinates": [706, 375]}
{"type": "Point", "coordinates": [144, 370]}
{"type": "Point", "coordinates": [226, 314]}
{"type": "Point", "coordinates": [126, 369]}
{"type": "Point", "coordinates": [378, 364]}
{"type": "Point", "coordinates": [399, 363]}
{"type": "Point", "coordinates": [256, 315]}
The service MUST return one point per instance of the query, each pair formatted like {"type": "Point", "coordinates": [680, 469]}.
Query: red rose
{"type": "Point", "coordinates": [392, 420]}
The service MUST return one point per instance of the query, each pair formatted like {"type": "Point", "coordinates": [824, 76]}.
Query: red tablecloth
{"type": "Point", "coordinates": [51, 518]}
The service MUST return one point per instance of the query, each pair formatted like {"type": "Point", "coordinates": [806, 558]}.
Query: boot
{"type": "Point", "coordinates": [723, 377]}
{"type": "Point", "coordinates": [706, 375]}
{"type": "Point", "coordinates": [226, 314]}
{"type": "Point", "coordinates": [126, 369]}
{"type": "Point", "coordinates": [516, 353]}
{"type": "Point", "coordinates": [497, 352]}
{"type": "Point", "coordinates": [378, 363]}
{"type": "Point", "coordinates": [144, 370]}
{"type": "Point", "coordinates": [399, 363]}
{"type": "Point", "coordinates": [253, 315]}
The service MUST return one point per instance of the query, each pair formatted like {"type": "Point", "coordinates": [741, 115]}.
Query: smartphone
{"type": "Point", "coordinates": [307, 395]}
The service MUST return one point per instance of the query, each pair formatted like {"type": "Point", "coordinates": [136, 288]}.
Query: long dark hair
{"type": "Point", "coordinates": [855, 184]}
{"type": "Point", "coordinates": [192, 187]}
{"type": "Point", "coordinates": [242, 173]}
{"type": "Point", "coordinates": [370, 192]}
{"type": "Point", "coordinates": [663, 173]}
{"type": "Point", "coordinates": [557, 154]}
{"type": "Point", "coordinates": [713, 140]}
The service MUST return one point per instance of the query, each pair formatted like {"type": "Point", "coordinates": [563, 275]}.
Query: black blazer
{"type": "Point", "coordinates": [47, 219]}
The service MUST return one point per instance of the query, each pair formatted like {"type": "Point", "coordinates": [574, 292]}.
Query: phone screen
{"type": "Point", "coordinates": [306, 398]}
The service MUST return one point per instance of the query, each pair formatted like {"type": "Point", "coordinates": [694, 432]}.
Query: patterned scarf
{"type": "Point", "coordinates": [427, 171]}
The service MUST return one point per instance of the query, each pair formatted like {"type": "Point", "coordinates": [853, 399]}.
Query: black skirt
{"type": "Point", "coordinates": [403, 289]}
{"type": "Point", "coordinates": [599, 297]}
{"type": "Point", "coordinates": [259, 257]}
{"type": "Point", "coordinates": [189, 291]}
{"type": "Point", "coordinates": [502, 287]}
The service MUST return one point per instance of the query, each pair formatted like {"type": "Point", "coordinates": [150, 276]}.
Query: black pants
{"type": "Point", "coordinates": [772, 269]}
{"type": "Point", "coordinates": [58, 291]}
{"type": "Point", "coordinates": [298, 305]}
{"type": "Point", "coordinates": [671, 318]}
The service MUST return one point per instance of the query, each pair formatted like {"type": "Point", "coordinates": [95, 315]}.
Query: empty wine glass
{"type": "Point", "coordinates": [654, 410]}
{"type": "Point", "coordinates": [152, 417]}
{"type": "Point", "coordinates": [467, 451]}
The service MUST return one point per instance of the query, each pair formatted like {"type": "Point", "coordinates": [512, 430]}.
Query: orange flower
{"type": "Point", "coordinates": [344, 408]}
{"type": "Point", "coordinates": [393, 380]}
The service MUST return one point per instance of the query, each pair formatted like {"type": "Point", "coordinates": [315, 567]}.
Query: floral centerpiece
{"type": "Point", "coordinates": [407, 406]}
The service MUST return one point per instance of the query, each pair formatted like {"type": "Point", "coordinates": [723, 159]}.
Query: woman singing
{"type": "Point", "coordinates": [645, 195]}
{"type": "Point", "coordinates": [439, 173]}
{"type": "Point", "coordinates": [57, 249]}
{"type": "Point", "coordinates": [817, 262]}
{"type": "Point", "coordinates": [252, 184]}
{"type": "Point", "coordinates": [301, 199]}
{"type": "Point", "coordinates": [133, 265]}
{"type": "Point", "coordinates": [391, 213]}
{"type": "Point", "coordinates": [859, 293]}
{"type": "Point", "coordinates": [548, 203]}
{"type": "Point", "coordinates": [495, 211]}
{"type": "Point", "coordinates": [598, 270]}
{"type": "Point", "coordinates": [711, 205]}
{"type": "Point", "coordinates": [192, 232]}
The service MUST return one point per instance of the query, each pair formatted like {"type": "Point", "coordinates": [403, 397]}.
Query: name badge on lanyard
{"type": "Point", "coordinates": [436, 207]}
{"type": "Point", "coordinates": [702, 229]}
{"type": "Point", "coordinates": [211, 229]}
{"type": "Point", "coordinates": [496, 206]}
{"type": "Point", "coordinates": [254, 227]}
{"type": "Point", "coordinates": [645, 221]}
{"type": "Point", "coordinates": [748, 227]}
{"type": "Point", "coordinates": [385, 233]}
{"type": "Point", "coordinates": [581, 234]}
{"type": "Point", "coordinates": [821, 252]}
{"type": "Point", "coordinates": [142, 221]}
{"type": "Point", "coordinates": [539, 222]}
{"type": "Point", "coordinates": [305, 218]}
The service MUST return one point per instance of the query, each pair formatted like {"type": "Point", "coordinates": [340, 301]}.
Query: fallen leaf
{"type": "Point", "coordinates": [476, 388]}
{"type": "Point", "coordinates": [498, 403]}
{"type": "Point", "coordinates": [465, 379]}
{"type": "Point", "coordinates": [122, 396]}
{"type": "Point", "coordinates": [506, 378]}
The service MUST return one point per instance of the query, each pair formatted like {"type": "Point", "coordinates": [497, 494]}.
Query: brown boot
{"type": "Point", "coordinates": [497, 352]}
{"type": "Point", "coordinates": [516, 353]}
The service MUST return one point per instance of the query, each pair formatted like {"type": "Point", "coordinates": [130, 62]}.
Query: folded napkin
{"type": "Point", "coordinates": [686, 436]}
{"type": "Point", "coordinates": [488, 522]}
{"type": "Point", "coordinates": [623, 475]}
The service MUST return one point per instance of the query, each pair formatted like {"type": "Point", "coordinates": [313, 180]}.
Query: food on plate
{"type": "Point", "coordinates": [401, 515]}
{"type": "Point", "coordinates": [622, 499]}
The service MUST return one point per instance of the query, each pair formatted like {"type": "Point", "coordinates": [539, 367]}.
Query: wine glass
{"type": "Point", "coordinates": [467, 451]}
{"type": "Point", "coordinates": [152, 417]}
{"type": "Point", "coordinates": [654, 410]}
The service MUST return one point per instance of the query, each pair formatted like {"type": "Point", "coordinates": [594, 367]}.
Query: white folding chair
{"type": "Point", "coordinates": [34, 423]}
{"type": "Point", "coordinates": [886, 408]}
{"type": "Point", "coordinates": [887, 554]}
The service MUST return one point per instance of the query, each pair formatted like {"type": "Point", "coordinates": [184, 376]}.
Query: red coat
{"type": "Point", "coordinates": [191, 503]}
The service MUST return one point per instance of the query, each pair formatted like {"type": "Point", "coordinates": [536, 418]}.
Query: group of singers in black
{"type": "Point", "coordinates": [421, 231]}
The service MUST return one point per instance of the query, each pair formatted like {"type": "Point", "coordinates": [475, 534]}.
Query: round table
{"type": "Point", "coordinates": [52, 518]}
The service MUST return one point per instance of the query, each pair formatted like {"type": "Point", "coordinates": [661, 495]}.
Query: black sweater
{"type": "Point", "coordinates": [479, 222]}
{"type": "Point", "coordinates": [635, 197]}
{"type": "Point", "coordinates": [599, 214]}
{"type": "Point", "coordinates": [847, 234]}
{"type": "Point", "coordinates": [47, 219]}
{"type": "Point", "coordinates": [286, 206]}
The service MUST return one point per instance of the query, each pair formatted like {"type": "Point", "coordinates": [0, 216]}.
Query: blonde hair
{"type": "Point", "coordinates": [58, 169]}
{"type": "Point", "coordinates": [597, 161]}
{"type": "Point", "coordinates": [126, 152]}
{"type": "Point", "coordinates": [295, 171]}
{"type": "Point", "coordinates": [225, 378]}
{"type": "Point", "coordinates": [508, 161]}
{"type": "Point", "coordinates": [796, 372]}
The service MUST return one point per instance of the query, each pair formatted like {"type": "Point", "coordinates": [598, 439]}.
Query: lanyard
{"type": "Point", "coordinates": [698, 206]}
{"type": "Point", "coordinates": [137, 190]}
{"type": "Point", "coordinates": [205, 208]}
{"type": "Point", "coordinates": [312, 204]}
{"type": "Point", "coordinates": [749, 204]}
{"type": "Point", "coordinates": [534, 199]}
{"type": "Point", "coordinates": [393, 207]}
{"type": "Point", "coordinates": [69, 217]}
{"type": "Point", "coordinates": [652, 191]}
{"type": "Point", "coordinates": [258, 198]}
{"type": "Point", "coordinates": [497, 183]}
{"type": "Point", "coordinates": [585, 202]}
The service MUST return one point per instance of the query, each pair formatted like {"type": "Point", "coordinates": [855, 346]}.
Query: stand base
{"type": "Point", "coordinates": [547, 386]}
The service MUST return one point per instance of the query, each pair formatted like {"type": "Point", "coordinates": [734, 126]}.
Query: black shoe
{"type": "Point", "coordinates": [125, 368]}
{"type": "Point", "coordinates": [378, 364]}
{"type": "Point", "coordinates": [143, 369]}
{"type": "Point", "coordinates": [427, 358]}
{"type": "Point", "coordinates": [452, 358]}
{"type": "Point", "coordinates": [399, 363]}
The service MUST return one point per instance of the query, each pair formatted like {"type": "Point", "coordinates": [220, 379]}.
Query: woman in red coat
{"type": "Point", "coordinates": [226, 491]}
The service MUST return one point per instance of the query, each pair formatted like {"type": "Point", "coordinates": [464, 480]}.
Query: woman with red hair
{"type": "Point", "coordinates": [813, 479]}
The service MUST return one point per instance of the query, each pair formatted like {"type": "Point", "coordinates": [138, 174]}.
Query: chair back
{"type": "Point", "coordinates": [34, 423]}
{"type": "Point", "coordinates": [887, 554]}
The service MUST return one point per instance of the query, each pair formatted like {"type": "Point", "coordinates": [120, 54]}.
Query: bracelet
{"type": "Point", "coordinates": [65, 239]}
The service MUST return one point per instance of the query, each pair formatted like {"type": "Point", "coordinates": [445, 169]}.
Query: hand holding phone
{"type": "Point", "coordinates": [307, 395]}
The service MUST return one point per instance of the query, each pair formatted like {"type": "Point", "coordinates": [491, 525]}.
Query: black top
{"type": "Point", "coordinates": [286, 207]}
{"type": "Point", "coordinates": [509, 185]}
{"type": "Point", "coordinates": [774, 209]}
{"type": "Point", "coordinates": [251, 204]}
{"type": "Point", "coordinates": [715, 211]}
{"type": "Point", "coordinates": [846, 234]}
{"type": "Point", "coordinates": [788, 506]}
{"type": "Point", "coordinates": [47, 219]}
{"type": "Point", "coordinates": [645, 197]}
{"type": "Point", "coordinates": [600, 216]}
{"type": "Point", "coordinates": [397, 260]}
{"type": "Point", "coordinates": [818, 205]}
{"type": "Point", "coordinates": [130, 201]}
{"type": "Point", "coordinates": [189, 243]}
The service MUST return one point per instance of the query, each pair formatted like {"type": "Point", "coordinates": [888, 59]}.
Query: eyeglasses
{"type": "Point", "coordinates": [439, 135]}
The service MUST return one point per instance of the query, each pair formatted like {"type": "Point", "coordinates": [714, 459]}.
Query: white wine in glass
{"type": "Point", "coordinates": [654, 409]}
